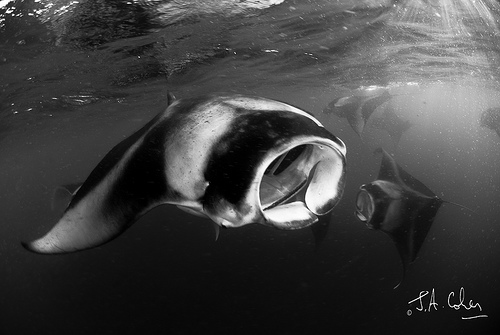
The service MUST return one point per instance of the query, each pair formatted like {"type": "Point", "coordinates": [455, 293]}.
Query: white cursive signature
{"type": "Point", "coordinates": [454, 302]}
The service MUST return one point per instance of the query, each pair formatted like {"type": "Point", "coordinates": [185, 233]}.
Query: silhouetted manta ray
{"type": "Point", "coordinates": [234, 159]}
{"type": "Point", "coordinates": [392, 123]}
{"type": "Point", "coordinates": [490, 119]}
{"type": "Point", "coordinates": [358, 108]}
{"type": "Point", "coordinates": [399, 205]}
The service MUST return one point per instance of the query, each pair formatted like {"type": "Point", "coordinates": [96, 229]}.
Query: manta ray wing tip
{"type": "Point", "coordinates": [27, 246]}
{"type": "Point", "coordinates": [43, 247]}
{"type": "Point", "coordinates": [34, 247]}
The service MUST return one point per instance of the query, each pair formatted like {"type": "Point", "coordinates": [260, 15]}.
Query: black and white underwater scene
{"type": "Point", "coordinates": [249, 167]}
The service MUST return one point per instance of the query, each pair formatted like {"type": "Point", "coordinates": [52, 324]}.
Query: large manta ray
{"type": "Point", "coordinates": [234, 159]}
{"type": "Point", "coordinates": [399, 205]}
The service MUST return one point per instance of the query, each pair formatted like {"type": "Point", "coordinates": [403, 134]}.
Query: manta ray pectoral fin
{"type": "Point", "coordinates": [127, 183]}
{"type": "Point", "coordinates": [404, 244]}
{"type": "Point", "coordinates": [90, 223]}
{"type": "Point", "coordinates": [356, 123]}
{"type": "Point", "coordinates": [294, 215]}
{"type": "Point", "coordinates": [75, 231]}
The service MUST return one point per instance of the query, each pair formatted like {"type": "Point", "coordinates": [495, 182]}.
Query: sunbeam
{"type": "Point", "coordinates": [449, 38]}
{"type": "Point", "coordinates": [457, 17]}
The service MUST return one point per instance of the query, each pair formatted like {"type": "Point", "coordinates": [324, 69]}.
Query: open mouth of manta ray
{"type": "Point", "coordinates": [281, 182]}
{"type": "Point", "coordinates": [300, 184]}
{"type": "Point", "coordinates": [364, 206]}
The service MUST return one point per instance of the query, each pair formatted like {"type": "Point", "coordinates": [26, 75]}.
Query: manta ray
{"type": "Point", "coordinates": [233, 159]}
{"type": "Point", "coordinates": [399, 205]}
{"type": "Point", "coordinates": [393, 124]}
{"type": "Point", "coordinates": [358, 108]}
{"type": "Point", "coordinates": [490, 119]}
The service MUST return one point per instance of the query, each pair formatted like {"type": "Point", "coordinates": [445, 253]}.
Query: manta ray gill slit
{"type": "Point", "coordinates": [282, 178]}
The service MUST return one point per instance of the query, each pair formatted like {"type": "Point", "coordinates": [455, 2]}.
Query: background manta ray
{"type": "Point", "coordinates": [490, 119]}
{"type": "Point", "coordinates": [358, 108]}
{"type": "Point", "coordinates": [399, 205]}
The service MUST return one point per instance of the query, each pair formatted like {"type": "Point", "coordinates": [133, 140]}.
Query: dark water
{"type": "Point", "coordinates": [77, 78]}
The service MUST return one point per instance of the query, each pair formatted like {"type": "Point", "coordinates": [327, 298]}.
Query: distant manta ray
{"type": "Point", "coordinates": [358, 108]}
{"type": "Point", "coordinates": [490, 119]}
{"type": "Point", "coordinates": [234, 159]}
{"type": "Point", "coordinates": [399, 205]}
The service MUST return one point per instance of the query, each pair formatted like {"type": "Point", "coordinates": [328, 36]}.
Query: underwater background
{"type": "Point", "coordinates": [76, 77]}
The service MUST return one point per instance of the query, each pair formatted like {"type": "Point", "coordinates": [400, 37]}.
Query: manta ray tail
{"type": "Point", "coordinates": [461, 206]}
{"type": "Point", "coordinates": [402, 277]}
